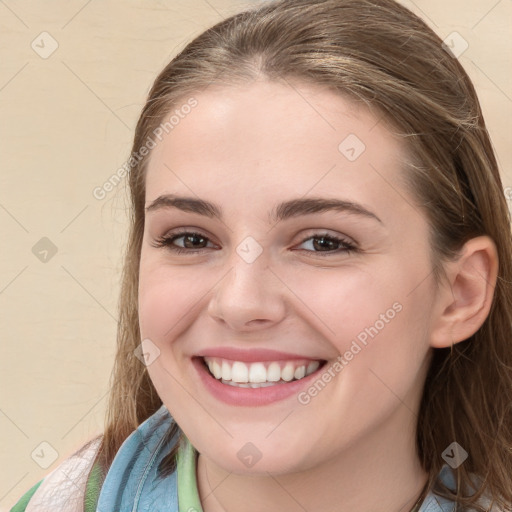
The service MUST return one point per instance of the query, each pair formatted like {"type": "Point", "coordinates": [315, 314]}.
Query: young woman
{"type": "Point", "coordinates": [316, 309]}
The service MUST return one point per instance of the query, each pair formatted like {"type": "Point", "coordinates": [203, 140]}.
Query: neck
{"type": "Point", "coordinates": [379, 472]}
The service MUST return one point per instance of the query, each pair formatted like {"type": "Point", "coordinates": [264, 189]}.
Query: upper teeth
{"type": "Point", "coordinates": [238, 371]}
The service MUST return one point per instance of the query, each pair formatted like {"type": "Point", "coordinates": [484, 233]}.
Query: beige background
{"type": "Point", "coordinates": [66, 126]}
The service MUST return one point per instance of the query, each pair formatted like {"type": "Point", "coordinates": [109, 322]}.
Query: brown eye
{"type": "Point", "coordinates": [328, 244]}
{"type": "Point", "coordinates": [191, 242]}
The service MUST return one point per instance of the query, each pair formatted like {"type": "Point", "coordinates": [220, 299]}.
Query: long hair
{"type": "Point", "coordinates": [379, 53]}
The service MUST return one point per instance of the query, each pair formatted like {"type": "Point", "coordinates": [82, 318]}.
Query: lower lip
{"type": "Point", "coordinates": [250, 396]}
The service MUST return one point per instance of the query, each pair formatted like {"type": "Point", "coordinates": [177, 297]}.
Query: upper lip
{"type": "Point", "coordinates": [252, 355]}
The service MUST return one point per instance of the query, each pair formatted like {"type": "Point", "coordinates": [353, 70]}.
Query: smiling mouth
{"type": "Point", "coordinates": [259, 374]}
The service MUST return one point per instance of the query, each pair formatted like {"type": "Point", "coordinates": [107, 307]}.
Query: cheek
{"type": "Point", "coordinates": [374, 316]}
{"type": "Point", "coordinates": [166, 296]}
{"type": "Point", "coordinates": [379, 328]}
{"type": "Point", "coordinates": [343, 302]}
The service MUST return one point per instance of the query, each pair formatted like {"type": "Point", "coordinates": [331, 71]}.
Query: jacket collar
{"type": "Point", "coordinates": [132, 483]}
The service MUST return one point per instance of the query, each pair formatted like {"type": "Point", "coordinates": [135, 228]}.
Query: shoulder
{"type": "Point", "coordinates": [65, 487]}
{"type": "Point", "coordinates": [76, 485]}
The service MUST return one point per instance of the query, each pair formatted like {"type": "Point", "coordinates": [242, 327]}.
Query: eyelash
{"type": "Point", "coordinates": [167, 241]}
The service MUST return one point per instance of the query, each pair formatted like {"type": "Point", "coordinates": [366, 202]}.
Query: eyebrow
{"type": "Point", "coordinates": [283, 211]}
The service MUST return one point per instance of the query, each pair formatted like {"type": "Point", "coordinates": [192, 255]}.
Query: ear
{"type": "Point", "coordinates": [464, 299]}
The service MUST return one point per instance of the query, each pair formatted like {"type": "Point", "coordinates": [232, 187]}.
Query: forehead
{"type": "Point", "coordinates": [270, 139]}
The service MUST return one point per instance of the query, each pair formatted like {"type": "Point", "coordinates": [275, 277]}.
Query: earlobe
{"type": "Point", "coordinates": [465, 298]}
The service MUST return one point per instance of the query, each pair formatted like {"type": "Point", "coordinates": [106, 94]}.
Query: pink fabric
{"type": "Point", "coordinates": [63, 489]}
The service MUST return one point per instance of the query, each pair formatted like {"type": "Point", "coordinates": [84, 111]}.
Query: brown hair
{"type": "Point", "coordinates": [378, 52]}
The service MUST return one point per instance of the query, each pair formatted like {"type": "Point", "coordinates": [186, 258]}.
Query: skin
{"type": "Point", "coordinates": [352, 447]}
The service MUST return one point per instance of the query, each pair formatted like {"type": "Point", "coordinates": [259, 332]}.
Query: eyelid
{"type": "Point", "coordinates": [318, 232]}
{"type": "Point", "coordinates": [168, 239]}
{"type": "Point", "coordinates": [187, 230]}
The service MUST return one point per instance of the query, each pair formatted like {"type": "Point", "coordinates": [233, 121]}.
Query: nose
{"type": "Point", "coordinates": [249, 297]}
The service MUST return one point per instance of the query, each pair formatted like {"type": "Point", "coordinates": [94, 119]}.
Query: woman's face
{"type": "Point", "coordinates": [266, 288]}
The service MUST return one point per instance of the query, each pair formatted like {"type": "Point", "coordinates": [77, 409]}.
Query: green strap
{"type": "Point", "coordinates": [22, 503]}
{"type": "Point", "coordinates": [188, 497]}
{"type": "Point", "coordinates": [93, 488]}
